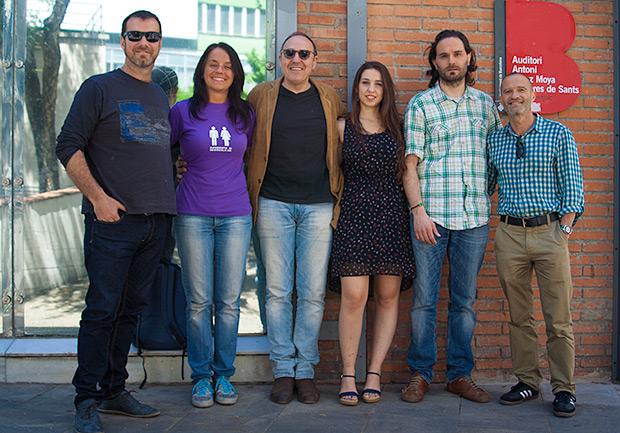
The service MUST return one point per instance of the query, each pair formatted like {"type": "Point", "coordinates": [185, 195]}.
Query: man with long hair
{"type": "Point", "coordinates": [445, 132]}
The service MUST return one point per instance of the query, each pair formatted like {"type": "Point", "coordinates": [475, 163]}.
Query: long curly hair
{"type": "Point", "coordinates": [433, 73]}
{"type": "Point", "coordinates": [391, 120]}
{"type": "Point", "coordinates": [239, 110]}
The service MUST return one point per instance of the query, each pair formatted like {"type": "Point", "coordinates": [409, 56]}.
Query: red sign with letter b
{"type": "Point", "coordinates": [537, 35]}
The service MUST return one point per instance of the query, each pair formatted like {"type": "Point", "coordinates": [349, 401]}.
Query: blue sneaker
{"type": "Point", "coordinates": [125, 404]}
{"type": "Point", "coordinates": [202, 393]}
{"type": "Point", "coordinates": [225, 393]}
{"type": "Point", "coordinates": [87, 418]}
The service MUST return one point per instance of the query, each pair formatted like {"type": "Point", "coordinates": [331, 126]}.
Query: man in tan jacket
{"type": "Point", "coordinates": [294, 182]}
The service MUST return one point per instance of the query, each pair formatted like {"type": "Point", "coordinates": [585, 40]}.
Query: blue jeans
{"type": "Point", "coordinates": [295, 240]}
{"type": "Point", "coordinates": [261, 288]}
{"type": "Point", "coordinates": [465, 253]}
{"type": "Point", "coordinates": [121, 260]}
{"type": "Point", "coordinates": [213, 251]}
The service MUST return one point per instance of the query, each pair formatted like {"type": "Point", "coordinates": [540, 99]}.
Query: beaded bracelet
{"type": "Point", "coordinates": [416, 206]}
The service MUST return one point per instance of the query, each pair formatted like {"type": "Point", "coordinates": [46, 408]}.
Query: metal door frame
{"type": "Point", "coordinates": [12, 167]}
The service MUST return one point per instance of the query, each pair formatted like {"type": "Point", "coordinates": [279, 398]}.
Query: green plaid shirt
{"type": "Point", "coordinates": [449, 136]}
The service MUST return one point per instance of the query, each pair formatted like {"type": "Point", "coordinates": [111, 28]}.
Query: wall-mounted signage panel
{"type": "Point", "coordinates": [538, 33]}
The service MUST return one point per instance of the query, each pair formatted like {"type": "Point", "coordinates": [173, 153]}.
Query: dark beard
{"type": "Point", "coordinates": [452, 78]}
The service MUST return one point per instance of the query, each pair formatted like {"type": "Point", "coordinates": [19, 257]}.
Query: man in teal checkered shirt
{"type": "Point", "coordinates": [535, 164]}
{"type": "Point", "coordinates": [446, 130]}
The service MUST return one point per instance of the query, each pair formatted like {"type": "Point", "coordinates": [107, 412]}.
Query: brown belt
{"type": "Point", "coordinates": [530, 222]}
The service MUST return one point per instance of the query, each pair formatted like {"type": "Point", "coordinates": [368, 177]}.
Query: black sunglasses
{"type": "Point", "coordinates": [135, 36]}
{"type": "Point", "coordinates": [289, 53]}
{"type": "Point", "coordinates": [520, 148]}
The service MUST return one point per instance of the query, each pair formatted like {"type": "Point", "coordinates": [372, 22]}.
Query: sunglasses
{"type": "Point", "coordinates": [136, 36]}
{"type": "Point", "coordinates": [520, 148]}
{"type": "Point", "coordinates": [289, 53]}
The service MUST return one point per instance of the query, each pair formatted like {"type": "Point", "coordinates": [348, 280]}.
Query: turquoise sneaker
{"type": "Point", "coordinates": [202, 393]}
{"type": "Point", "coordinates": [225, 393]}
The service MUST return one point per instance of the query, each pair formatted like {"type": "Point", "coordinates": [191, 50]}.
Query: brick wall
{"type": "Point", "coordinates": [398, 33]}
{"type": "Point", "coordinates": [326, 23]}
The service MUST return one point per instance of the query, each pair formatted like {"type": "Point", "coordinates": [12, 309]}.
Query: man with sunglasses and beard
{"type": "Point", "coordinates": [294, 180]}
{"type": "Point", "coordinates": [535, 164]}
{"type": "Point", "coordinates": [446, 129]}
{"type": "Point", "coordinates": [115, 146]}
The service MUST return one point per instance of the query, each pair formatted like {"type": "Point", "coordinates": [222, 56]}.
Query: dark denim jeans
{"type": "Point", "coordinates": [121, 261]}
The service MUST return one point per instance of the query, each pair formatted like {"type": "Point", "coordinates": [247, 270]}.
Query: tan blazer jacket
{"type": "Point", "coordinates": [263, 99]}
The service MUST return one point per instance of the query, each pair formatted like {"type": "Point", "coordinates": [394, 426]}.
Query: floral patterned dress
{"type": "Point", "coordinates": [373, 235]}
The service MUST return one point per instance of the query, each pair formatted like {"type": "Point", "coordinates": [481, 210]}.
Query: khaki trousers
{"type": "Point", "coordinates": [545, 249]}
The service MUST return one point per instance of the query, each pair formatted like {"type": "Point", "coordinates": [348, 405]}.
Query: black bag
{"type": "Point", "coordinates": [162, 325]}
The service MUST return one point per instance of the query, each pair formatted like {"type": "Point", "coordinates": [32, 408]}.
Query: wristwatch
{"type": "Point", "coordinates": [566, 229]}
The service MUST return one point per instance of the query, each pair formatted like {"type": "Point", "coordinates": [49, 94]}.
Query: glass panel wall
{"type": "Point", "coordinates": [5, 213]}
{"type": "Point", "coordinates": [68, 41]}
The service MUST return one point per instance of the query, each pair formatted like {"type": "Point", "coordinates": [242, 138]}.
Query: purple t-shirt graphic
{"type": "Point", "coordinates": [214, 184]}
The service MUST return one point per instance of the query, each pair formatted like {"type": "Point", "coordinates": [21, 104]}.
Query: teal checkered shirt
{"type": "Point", "coordinates": [546, 179]}
{"type": "Point", "coordinates": [449, 137]}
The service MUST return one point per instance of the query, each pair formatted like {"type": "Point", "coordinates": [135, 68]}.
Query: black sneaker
{"type": "Point", "coordinates": [87, 418]}
{"type": "Point", "coordinates": [564, 404]}
{"type": "Point", "coordinates": [125, 404]}
{"type": "Point", "coordinates": [518, 394]}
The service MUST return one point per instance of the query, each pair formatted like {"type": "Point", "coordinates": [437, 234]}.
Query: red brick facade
{"type": "Point", "coordinates": [398, 33]}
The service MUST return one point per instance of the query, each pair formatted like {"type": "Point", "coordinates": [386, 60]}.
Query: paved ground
{"type": "Point", "coordinates": [49, 408]}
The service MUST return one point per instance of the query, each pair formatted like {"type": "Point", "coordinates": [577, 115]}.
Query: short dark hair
{"type": "Point", "coordinates": [143, 15]}
{"type": "Point", "coordinates": [432, 55]}
{"type": "Point", "coordinates": [302, 34]}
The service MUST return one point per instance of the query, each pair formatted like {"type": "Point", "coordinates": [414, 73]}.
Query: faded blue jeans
{"type": "Point", "coordinates": [465, 250]}
{"type": "Point", "coordinates": [295, 240]}
{"type": "Point", "coordinates": [213, 251]}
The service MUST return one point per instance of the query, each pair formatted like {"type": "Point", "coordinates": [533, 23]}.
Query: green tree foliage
{"type": "Point", "coordinates": [41, 91]}
{"type": "Point", "coordinates": [257, 63]}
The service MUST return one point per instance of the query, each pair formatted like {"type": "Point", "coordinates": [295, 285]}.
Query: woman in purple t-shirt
{"type": "Point", "coordinates": [214, 223]}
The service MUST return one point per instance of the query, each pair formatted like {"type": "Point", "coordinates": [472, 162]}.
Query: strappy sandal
{"type": "Point", "coordinates": [370, 395]}
{"type": "Point", "coordinates": [346, 397]}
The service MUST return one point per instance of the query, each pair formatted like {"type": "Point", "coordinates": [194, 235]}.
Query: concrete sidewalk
{"type": "Point", "coordinates": [49, 408]}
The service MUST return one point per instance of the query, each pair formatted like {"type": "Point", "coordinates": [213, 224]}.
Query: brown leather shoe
{"type": "Point", "coordinates": [282, 390]}
{"type": "Point", "coordinates": [415, 390]}
{"type": "Point", "coordinates": [467, 388]}
{"type": "Point", "coordinates": [306, 391]}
